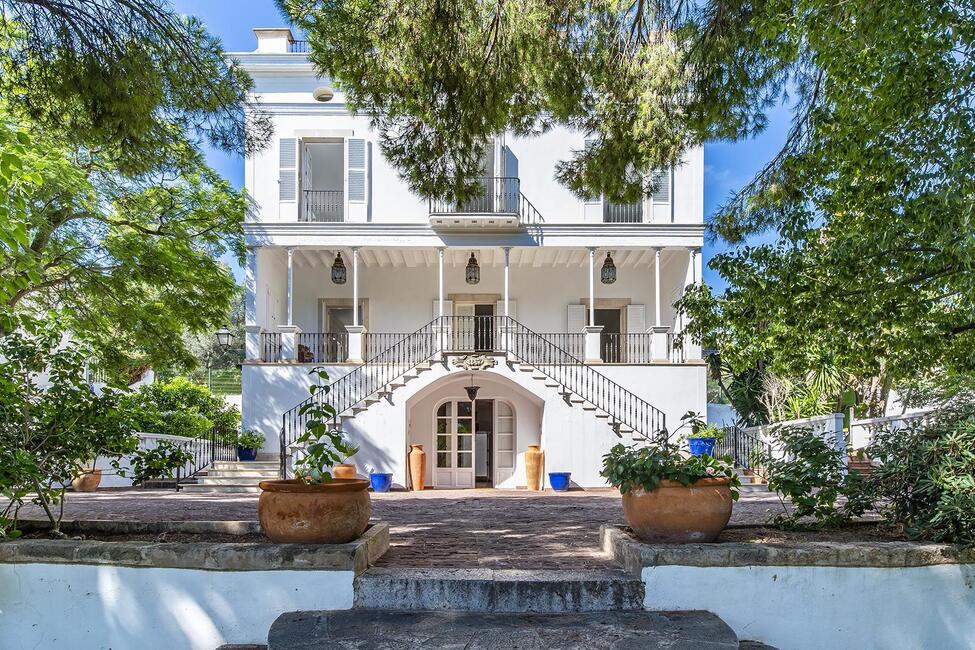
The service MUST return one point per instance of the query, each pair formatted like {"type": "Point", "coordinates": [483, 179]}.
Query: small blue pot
{"type": "Point", "coordinates": [702, 446]}
{"type": "Point", "coordinates": [559, 481]}
{"type": "Point", "coordinates": [380, 481]}
{"type": "Point", "coordinates": [246, 454]}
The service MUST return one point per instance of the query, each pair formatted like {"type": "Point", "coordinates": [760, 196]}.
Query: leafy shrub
{"type": "Point", "coordinates": [924, 477]}
{"type": "Point", "coordinates": [51, 423]}
{"type": "Point", "coordinates": [250, 440]}
{"type": "Point", "coordinates": [160, 462]}
{"type": "Point", "coordinates": [325, 446]}
{"type": "Point", "coordinates": [181, 408]}
{"type": "Point", "coordinates": [644, 467]}
{"type": "Point", "coordinates": [810, 472]}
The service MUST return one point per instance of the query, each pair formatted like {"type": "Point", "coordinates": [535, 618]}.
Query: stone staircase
{"type": "Point", "coordinates": [751, 482]}
{"type": "Point", "coordinates": [234, 476]}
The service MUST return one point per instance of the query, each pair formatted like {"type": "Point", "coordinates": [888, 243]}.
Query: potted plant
{"type": "Point", "coordinates": [248, 444]}
{"type": "Point", "coordinates": [380, 481]}
{"type": "Point", "coordinates": [314, 507]}
{"type": "Point", "coordinates": [560, 481]}
{"type": "Point", "coordinates": [87, 477]}
{"type": "Point", "coordinates": [669, 496]}
{"type": "Point", "coordinates": [703, 438]}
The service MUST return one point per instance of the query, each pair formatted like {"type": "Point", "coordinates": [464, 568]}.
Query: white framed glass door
{"type": "Point", "coordinates": [454, 442]}
{"type": "Point", "coordinates": [504, 442]}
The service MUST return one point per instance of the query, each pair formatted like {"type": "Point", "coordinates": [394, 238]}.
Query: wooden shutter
{"type": "Point", "coordinates": [661, 182]}
{"type": "Point", "coordinates": [356, 170]}
{"type": "Point", "coordinates": [575, 318]}
{"type": "Point", "coordinates": [637, 349]}
{"type": "Point", "coordinates": [288, 169]}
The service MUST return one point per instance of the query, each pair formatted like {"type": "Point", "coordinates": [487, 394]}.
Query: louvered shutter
{"type": "Point", "coordinates": [287, 169]}
{"type": "Point", "coordinates": [575, 318]}
{"type": "Point", "coordinates": [661, 184]}
{"type": "Point", "coordinates": [356, 163]}
{"type": "Point", "coordinates": [638, 345]}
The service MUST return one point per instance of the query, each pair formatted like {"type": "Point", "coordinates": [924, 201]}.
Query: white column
{"type": "Point", "coordinates": [659, 348]}
{"type": "Point", "coordinates": [291, 282]}
{"type": "Point", "coordinates": [252, 331]}
{"type": "Point", "coordinates": [507, 255]}
{"type": "Point", "coordinates": [440, 254]}
{"type": "Point", "coordinates": [592, 286]}
{"type": "Point", "coordinates": [355, 286]}
{"type": "Point", "coordinates": [692, 349]}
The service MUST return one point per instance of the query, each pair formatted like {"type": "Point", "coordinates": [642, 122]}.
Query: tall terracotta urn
{"type": "Point", "coordinates": [534, 459]}
{"type": "Point", "coordinates": [418, 467]}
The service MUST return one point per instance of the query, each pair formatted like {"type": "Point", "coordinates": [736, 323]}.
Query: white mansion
{"type": "Point", "coordinates": [560, 310]}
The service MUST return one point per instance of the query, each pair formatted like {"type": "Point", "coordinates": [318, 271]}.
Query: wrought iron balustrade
{"type": "Point", "coordinates": [322, 347]}
{"type": "Point", "coordinates": [622, 212]}
{"type": "Point", "coordinates": [323, 206]}
{"type": "Point", "coordinates": [270, 346]}
{"type": "Point", "coordinates": [744, 448]}
{"type": "Point", "coordinates": [297, 47]}
{"type": "Point", "coordinates": [626, 348]}
{"type": "Point", "coordinates": [500, 195]}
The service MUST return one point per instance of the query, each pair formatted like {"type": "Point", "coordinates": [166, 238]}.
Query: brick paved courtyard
{"type": "Point", "coordinates": [448, 528]}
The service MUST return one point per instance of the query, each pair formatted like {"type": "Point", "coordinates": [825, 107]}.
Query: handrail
{"type": "Point", "coordinates": [466, 334]}
{"type": "Point", "coordinates": [742, 446]}
{"type": "Point", "coordinates": [498, 195]}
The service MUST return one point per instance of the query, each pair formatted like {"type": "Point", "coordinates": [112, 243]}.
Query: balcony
{"type": "Point", "coordinates": [622, 212]}
{"type": "Point", "coordinates": [323, 206]}
{"type": "Point", "coordinates": [499, 205]}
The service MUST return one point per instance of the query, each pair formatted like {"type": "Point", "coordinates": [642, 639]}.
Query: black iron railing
{"type": "Point", "coordinates": [297, 47]}
{"type": "Point", "coordinates": [744, 448]}
{"type": "Point", "coordinates": [322, 347]}
{"type": "Point", "coordinates": [499, 195]}
{"type": "Point", "coordinates": [270, 346]}
{"type": "Point", "coordinates": [622, 213]}
{"type": "Point", "coordinates": [486, 334]}
{"type": "Point", "coordinates": [626, 348]}
{"type": "Point", "coordinates": [572, 342]}
{"type": "Point", "coordinates": [377, 342]}
{"type": "Point", "coordinates": [323, 206]}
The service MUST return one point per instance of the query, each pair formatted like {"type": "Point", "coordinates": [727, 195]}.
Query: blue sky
{"type": "Point", "coordinates": [727, 166]}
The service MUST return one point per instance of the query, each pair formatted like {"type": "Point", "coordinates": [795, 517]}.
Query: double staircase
{"type": "Point", "coordinates": [626, 413]}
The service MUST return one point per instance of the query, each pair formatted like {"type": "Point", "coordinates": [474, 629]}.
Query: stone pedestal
{"type": "Point", "coordinates": [592, 347]}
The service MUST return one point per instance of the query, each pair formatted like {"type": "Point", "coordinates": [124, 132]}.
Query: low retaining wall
{"type": "Point", "coordinates": [814, 595]}
{"type": "Point", "coordinates": [165, 595]}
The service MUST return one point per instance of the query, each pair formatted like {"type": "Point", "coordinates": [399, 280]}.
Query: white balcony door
{"type": "Point", "coordinates": [454, 442]}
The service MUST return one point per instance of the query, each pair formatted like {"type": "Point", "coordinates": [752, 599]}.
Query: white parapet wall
{"type": "Point", "coordinates": [74, 593]}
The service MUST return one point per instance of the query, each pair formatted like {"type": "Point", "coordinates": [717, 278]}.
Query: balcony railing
{"type": "Point", "coordinates": [297, 47]}
{"type": "Point", "coordinates": [270, 346]}
{"type": "Point", "coordinates": [499, 195]}
{"type": "Point", "coordinates": [323, 205]}
{"type": "Point", "coordinates": [322, 347]}
{"type": "Point", "coordinates": [622, 213]}
{"type": "Point", "coordinates": [626, 348]}
{"type": "Point", "coordinates": [376, 342]}
{"type": "Point", "coordinates": [573, 343]}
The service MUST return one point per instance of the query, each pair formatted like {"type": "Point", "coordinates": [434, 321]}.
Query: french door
{"type": "Point", "coordinates": [454, 462]}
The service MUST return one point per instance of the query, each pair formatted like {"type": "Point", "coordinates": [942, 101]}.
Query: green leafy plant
{"type": "Point", "coordinates": [51, 423]}
{"type": "Point", "coordinates": [804, 468]}
{"type": "Point", "coordinates": [179, 407]}
{"type": "Point", "coordinates": [160, 462]}
{"type": "Point", "coordinates": [924, 476]}
{"type": "Point", "coordinates": [250, 440]}
{"type": "Point", "coordinates": [325, 446]}
{"type": "Point", "coordinates": [629, 467]}
{"type": "Point", "coordinates": [707, 431]}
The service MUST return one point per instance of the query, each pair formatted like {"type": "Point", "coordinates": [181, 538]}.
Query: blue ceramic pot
{"type": "Point", "coordinates": [380, 481]}
{"type": "Point", "coordinates": [559, 481]}
{"type": "Point", "coordinates": [246, 454]}
{"type": "Point", "coordinates": [702, 446]}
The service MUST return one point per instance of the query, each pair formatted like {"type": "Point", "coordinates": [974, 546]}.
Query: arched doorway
{"type": "Point", "coordinates": [475, 443]}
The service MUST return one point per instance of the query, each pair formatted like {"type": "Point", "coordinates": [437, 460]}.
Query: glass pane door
{"type": "Point", "coordinates": [465, 435]}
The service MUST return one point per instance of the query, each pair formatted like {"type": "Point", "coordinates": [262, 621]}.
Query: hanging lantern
{"type": "Point", "coordinates": [473, 273]}
{"type": "Point", "coordinates": [608, 274]}
{"type": "Point", "coordinates": [472, 390]}
{"type": "Point", "coordinates": [339, 273]}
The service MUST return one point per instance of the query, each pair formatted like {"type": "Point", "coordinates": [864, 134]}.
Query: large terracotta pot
{"type": "Point", "coordinates": [87, 482]}
{"type": "Point", "coordinates": [534, 459]}
{"type": "Point", "coordinates": [343, 470]}
{"type": "Point", "coordinates": [337, 512]}
{"type": "Point", "coordinates": [418, 467]}
{"type": "Point", "coordinates": [675, 513]}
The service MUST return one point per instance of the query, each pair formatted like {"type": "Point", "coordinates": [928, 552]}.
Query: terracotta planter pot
{"type": "Point", "coordinates": [418, 467]}
{"type": "Point", "coordinates": [87, 482]}
{"type": "Point", "coordinates": [332, 513]}
{"type": "Point", "coordinates": [343, 470]}
{"type": "Point", "coordinates": [534, 459]}
{"type": "Point", "coordinates": [679, 514]}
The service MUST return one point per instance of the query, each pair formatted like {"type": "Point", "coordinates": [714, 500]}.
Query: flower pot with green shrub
{"type": "Point", "coordinates": [671, 497]}
{"type": "Point", "coordinates": [703, 438]}
{"type": "Point", "coordinates": [314, 507]}
{"type": "Point", "coordinates": [248, 444]}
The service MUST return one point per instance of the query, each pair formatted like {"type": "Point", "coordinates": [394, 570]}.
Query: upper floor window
{"type": "Point", "coordinates": [326, 177]}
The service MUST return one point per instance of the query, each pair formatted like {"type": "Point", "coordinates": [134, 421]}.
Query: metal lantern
{"type": "Point", "coordinates": [472, 390]}
{"type": "Point", "coordinates": [339, 273]}
{"type": "Point", "coordinates": [224, 337]}
{"type": "Point", "coordinates": [473, 272]}
{"type": "Point", "coordinates": [608, 274]}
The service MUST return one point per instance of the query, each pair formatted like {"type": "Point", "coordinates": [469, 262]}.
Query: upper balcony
{"type": "Point", "coordinates": [499, 205]}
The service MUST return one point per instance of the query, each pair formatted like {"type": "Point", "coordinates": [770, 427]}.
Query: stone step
{"type": "Point", "coordinates": [392, 629]}
{"type": "Point", "coordinates": [242, 473]}
{"type": "Point", "coordinates": [503, 590]}
{"type": "Point", "coordinates": [235, 480]}
{"type": "Point", "coordinates": [233, 465]}
{"type": "Point", "coordinates": [237, 488]}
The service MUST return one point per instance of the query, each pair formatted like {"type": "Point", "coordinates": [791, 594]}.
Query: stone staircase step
{"type": "Point", "coordinates": [387, 629]}
{"type": "Point", "coordinates": [240, 488]}
{"type": "Point", "coordinates": [502, 590]}
{"type": "Point", "coordinates": [233, 465]}
{"type": "Point", "coordinates": [235, 480]}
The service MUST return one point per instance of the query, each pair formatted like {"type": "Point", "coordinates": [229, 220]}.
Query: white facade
{"type": "Point", "coordinates": [323, 190]}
